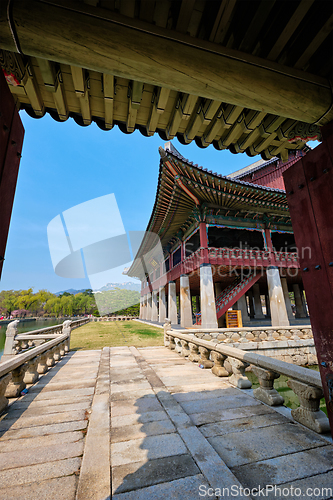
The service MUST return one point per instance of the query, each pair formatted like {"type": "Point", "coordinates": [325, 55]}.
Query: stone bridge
{"type": "Point", "coordinates": [179, 421]}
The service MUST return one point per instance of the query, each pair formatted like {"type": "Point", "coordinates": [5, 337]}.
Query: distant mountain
{"type": "Point", "coordinates": [109, 286]}
{"type": "Point", "coordinates": [72, 291]}
{"type": "Point", "coordinates": [128, 285]}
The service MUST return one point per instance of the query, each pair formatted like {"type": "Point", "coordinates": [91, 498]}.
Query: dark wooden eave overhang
{"type": "Point", "coordinates": [248, 76]}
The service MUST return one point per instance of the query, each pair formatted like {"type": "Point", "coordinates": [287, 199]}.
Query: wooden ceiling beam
{"type": "Point", "coordinates": [108, 87]}
{"type": "Point", "coordinates": [202, 69]}
{"type": "Point", "coordinates": [184, 16]}
{"type": "Point", "coordinates": [60, 102]}
{"type": "Point", "coordinates": [315, 43]}
{"type": "Point", "coordinates": [290, 28]}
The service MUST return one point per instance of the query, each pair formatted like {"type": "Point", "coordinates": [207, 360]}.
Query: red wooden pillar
{"type": "Point", "coordinates": [204, 241]}
{"type": "Point", "coordinates": [309, 187]}
{"type": "Point", "coordinates": [11, 140]}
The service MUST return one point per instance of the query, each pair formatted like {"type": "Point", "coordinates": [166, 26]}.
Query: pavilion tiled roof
{"type": "Point", "coordinates": [184, 189]}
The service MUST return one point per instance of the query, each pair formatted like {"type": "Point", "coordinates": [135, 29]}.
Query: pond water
{"type": "Point", "coordinates": [290, 398]}
{"type": "Point", "coordinates": [27, 326]}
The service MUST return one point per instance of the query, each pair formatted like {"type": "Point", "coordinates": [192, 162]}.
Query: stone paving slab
{"type": "Point", "coordinates": [40, 472]}
{"type": "Point", "coordinates": [33, 410]}
{"type": "Point", "coordinates": [39, 441]}
{"type": "Point", "coordinates": [60, 488]}
{"type": "Point", "coordinates": [219, 404]}
{"type": "Point", "coordinates": [25, 402]}
{"type": "Point", "coordinates": [54, 418]}
{"type": "Point", "coordinates": [151, 447]}
{"type": "Point", "coordinates": [46, 453]}
{"type": "Point", "coordinates": [140, 431]}
{"type": "Point", "coordinates": [242, 424]}
{"type": "Point", "coordinates": [70, 393]}
{"type": "Point", "coordinates": [62, 386]}
{"type": "Point", "coordinates": [134, 418]}
{"type": "Point", "coordinates": [230, 414]}
{"type": "Point", "coordinates": [43, 430]}
{"type": "Point", "coordinates": [143, 405]}
{"type": "Point", "coordinates": [287, 468]}
{"type": "Point", "coordinates": [313, 488]}
{"type": "Point", "coordinates": [142, 474]}
{"type": "Point", "coordinates": [241, 448]}
{"type": "Point", "coordinates": [181, 489]}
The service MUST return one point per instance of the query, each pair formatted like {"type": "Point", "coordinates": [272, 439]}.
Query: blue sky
{"type": "Point", "coordinates": [64, 165]}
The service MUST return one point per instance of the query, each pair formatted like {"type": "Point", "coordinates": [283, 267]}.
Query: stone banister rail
{"type": "Point", "coordinates": [18, 342]}
{"type": "Point", "coordinates": [16, 371]}
{"type": "Point", "coordinates": [225, 360]}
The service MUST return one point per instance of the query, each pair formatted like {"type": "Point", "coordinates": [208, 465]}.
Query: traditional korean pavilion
{"type": "Point", "coordinates": [223, 239]}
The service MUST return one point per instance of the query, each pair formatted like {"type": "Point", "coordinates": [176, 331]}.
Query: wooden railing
{"type": "Point", "coordinates": [224, 360]}
{"type": "Point", "coordinates": [226, 257]}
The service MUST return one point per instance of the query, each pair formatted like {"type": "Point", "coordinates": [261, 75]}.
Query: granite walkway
{"type": "Point", "coordinates": [148, 424]}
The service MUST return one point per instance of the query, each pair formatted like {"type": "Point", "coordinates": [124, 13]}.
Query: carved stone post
{"type": "Point", "coordinates": [167, 328]}
{"type": "Point", "coordinates": [66, 328]}
{"type": "Point", "coordinates": [204, 361]}
{"type": "Point", "coordinates": [41, 363]}
{"type": "Point", "coordinates": [238, 378]}
{"type": "Point", "coordinates": [172, 344]}
{"type": "Point", "coordinates": [16, 384]}
{"type": "Point", "coordinates": [11, 332]}
{"type": "Point", "coordinates": [50, 358]}
{"type": "Point", "coordinates": [218, 368]}
{"type": "Point", "coordinates": [178, 346]}
{"type": "Point", "coordinates": [31, 375]}
{"type": "Point", "coordinates": [4, 381]}
{"type": "Point", "coordinates": [57, 355]}
{"type": "Point", "coordinates": [62, 349]}
{"type": "Point", "coordinates": [266, 392]}
{"type": "Point", "coordinates": [194, 353]}
{"type": "Point", "coordinates": [185, 349]}
{"type": "Point", "coordinates": [308, 413]}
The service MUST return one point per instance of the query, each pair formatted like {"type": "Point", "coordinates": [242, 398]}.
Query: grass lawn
{"type": "Point", "coordinates": [114, 334]}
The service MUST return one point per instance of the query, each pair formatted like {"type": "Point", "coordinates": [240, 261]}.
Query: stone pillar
{"type": "Point", "coordinates": [207, 298]}
{"type": "Point", "coordinates": [148, 314]}
{"type": "Point", "coordinates": [305, 309]}
{"type": "Point", "coordinates": [162, 313]}
{"type": "Point", "coordinates": [241, 306]}
{"type": "Point", "coordinates": [141, 308]}
{"type": "Point", "coordinates": [172, 303]}
{"type": "Point", "coordinates": [154, 311]}
{"type": "Point", "coordinates": [257, 302]}
{"type": "Point", "coordinates": [286, 297]}
{"type": "Point", "coordinates": [251, 303]}
{"type": "Point", "coordinates": [268, 309]}
{"type": "Point", "coordinates": [276, 298]}
{"type": "Point", "coordinates": [145, 306]}
{"type": "Point", "coordinates": [298, 302]}
{"type": "Point", "coordinates": [185, 302]}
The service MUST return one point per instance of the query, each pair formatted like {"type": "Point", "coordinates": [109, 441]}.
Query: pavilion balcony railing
{"type": "Point", "coordinates": [226, 257]}
{"type": "Point", "coordinates": [231, 362]}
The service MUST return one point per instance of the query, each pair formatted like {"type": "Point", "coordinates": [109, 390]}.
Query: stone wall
{"type": "Point", "coordinates": [293, 345]}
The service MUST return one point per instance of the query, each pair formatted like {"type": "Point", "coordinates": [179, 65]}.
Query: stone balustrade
{"type": "Point", "coordinates": [291, 344]}
{"type": "Point", "coordinates": [20, 342]}
{"type": "Point", "coordinates": [226, 360]}
{"type": "Point", "coordinates": [115, 318]}
{"type": "Point", "coordinates": [18, 370]}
